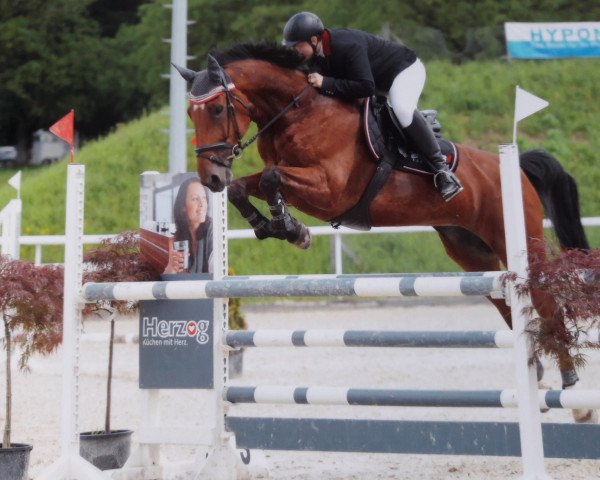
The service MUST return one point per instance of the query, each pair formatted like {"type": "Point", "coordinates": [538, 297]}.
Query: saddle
{"type": "Point", "coordinates": [392, 150]}
{"type": "Point", "coordinates": [385, 136]}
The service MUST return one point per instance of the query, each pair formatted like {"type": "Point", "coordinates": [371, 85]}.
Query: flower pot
{"type": "Point", "coordinates": [236, 363]}
{"type": "Point", "coordinates": [14, 461]}
{"type": "Point", "coordinates": [106, 451]}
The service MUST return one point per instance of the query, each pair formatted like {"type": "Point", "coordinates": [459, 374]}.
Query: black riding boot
{"type": "Point", "coordinates": [422, 136]}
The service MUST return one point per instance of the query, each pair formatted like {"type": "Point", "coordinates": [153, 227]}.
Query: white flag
{"type": "Point", "coordinates": [527, 104]}
{"type": "Point", "coordinates": [15, 181]}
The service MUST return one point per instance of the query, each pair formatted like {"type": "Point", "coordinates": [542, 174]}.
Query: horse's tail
{"type": "Point", "coordinates": [558, 192]}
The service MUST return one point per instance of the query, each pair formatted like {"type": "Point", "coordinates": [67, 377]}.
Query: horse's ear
{"type": "Point", "coordinates": [186, 73]}
{"type": "Point", "coordinates": [215, 72]}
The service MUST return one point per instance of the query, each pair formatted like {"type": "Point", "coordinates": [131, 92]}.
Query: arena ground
{"type": "Point", "coordinates": [37, 394]}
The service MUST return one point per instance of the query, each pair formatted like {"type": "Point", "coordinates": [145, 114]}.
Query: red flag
{"type": "Point", "coordinates": [193, 141]}
{"type": "Point", "coordinates": [63, 129]}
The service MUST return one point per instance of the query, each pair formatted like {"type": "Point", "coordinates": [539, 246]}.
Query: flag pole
{"type": "Point", "coordinates": [515, 121]}
{"type": "Point", "coordinates": [72, 142]}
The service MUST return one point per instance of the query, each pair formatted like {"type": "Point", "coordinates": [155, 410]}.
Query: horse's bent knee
{"type": "Point", "coordinates": [236, 193]}
{"type": "Point", "coordinates": [270, 180]}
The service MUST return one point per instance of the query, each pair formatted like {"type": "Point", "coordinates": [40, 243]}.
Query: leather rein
{"type": "Point", "coordinates": [239, 147]}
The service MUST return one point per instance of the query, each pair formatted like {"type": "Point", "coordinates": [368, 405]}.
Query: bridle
{"type": "Point", "coordinates": [239, 147]}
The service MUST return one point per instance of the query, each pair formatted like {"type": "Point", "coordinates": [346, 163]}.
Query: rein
{"type": "Point", "coordinates": [239, 147]}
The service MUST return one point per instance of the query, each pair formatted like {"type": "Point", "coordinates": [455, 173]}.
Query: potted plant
{"type": "Point", "coordinates": [115, 260]}
{"type": "Point", "coordinates": [31, 309]}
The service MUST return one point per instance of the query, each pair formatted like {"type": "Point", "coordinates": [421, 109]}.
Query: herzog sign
{"type": "Point", "coordinates": [552, 40]}
{"type": "Point", "coordinates": [176, 341]}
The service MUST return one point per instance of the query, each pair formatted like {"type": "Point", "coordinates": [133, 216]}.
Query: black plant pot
{"type": "Point", "coordinates": [106, 451]}
{"type": "Point", "coordinates": [14, 461]}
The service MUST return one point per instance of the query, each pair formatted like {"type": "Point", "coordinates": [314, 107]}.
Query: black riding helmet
{"type": "Point", "coordinates": [301, 27]}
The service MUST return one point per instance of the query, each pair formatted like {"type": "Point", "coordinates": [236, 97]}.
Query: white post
{"type": "Point", "coordinates": [10, 217]}
{"type": "Point", "coordinates": [337, 242]}
{"type": "Point", "coordinates": [530, 428]}
{"type": "Point", "coordinates": [177, 89]}
{"type": "Point", "coordinates": [70, 465]}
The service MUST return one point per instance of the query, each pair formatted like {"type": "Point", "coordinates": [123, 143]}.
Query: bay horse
{"type": "Point", "coordinates": [317, 160]}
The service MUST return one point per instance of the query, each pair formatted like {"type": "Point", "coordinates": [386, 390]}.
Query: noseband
{"type": "Point", "coordinates": [237, 149]}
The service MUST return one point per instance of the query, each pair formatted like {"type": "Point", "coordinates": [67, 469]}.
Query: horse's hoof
{"type": "Point", "coordinates": [543, 386]}
{"type": "Point", "coordinates": [585, 416]}
{"type": "Point", "coordinates": [304, 240]}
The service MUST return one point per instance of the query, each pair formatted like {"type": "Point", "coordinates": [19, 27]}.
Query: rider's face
{"type": "Point", "coordinates": [305, 49]}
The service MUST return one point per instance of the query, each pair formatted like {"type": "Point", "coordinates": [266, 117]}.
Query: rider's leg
{"type": "Point", "coordinates": [404, 96]}
{"type": "Point", "coordinates": [422, 136]}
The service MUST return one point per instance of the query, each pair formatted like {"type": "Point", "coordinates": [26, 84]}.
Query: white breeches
{"type": "Point", "coordinates": [406, 90]}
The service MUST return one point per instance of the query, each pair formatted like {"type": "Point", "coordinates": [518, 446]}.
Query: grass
{"type": "Point", "coordinates": [475, 102]}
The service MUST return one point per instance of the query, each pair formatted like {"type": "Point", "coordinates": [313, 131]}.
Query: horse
{"type": "Point", "coordinates": [317, 160]}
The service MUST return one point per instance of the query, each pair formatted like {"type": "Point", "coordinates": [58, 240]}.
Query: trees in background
{"type": "Point", "coordinates": [105, 57]}
{"type": "Point", "coordinates": [55, 56]}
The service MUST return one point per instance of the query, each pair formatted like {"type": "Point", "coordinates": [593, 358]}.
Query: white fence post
{"type": "Point", "coordinates": [70, 465]}
{"type": "Point", "coordinates": [530, 427]}
{"type": "Point", "coordinates": [10, 220]}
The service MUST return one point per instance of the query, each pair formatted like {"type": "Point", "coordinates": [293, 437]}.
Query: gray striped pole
{"type": "Point", "coordinates": [267, 394]}
{"type": "Point", "coordinates": [433, 285]}
{"type": "Point", "coordinates": [369, 338]}
{"type": "Point", "coordinates": [383, 338]}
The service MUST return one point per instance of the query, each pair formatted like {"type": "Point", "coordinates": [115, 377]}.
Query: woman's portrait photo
{"type": "Point", "coordinates": [192, 246]}
{"type": "Point", "coordinates": [175, 223]}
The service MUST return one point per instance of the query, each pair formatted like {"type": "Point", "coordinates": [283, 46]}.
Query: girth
{"type": "Point", "coordinates": [392, 151]}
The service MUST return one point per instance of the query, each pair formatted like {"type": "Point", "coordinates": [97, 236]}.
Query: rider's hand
{"type": "Point", "coordinates": [315, 79]}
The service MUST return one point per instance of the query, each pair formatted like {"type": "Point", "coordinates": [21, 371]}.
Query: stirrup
{"type": "Point", "coordinates": [452, 178]}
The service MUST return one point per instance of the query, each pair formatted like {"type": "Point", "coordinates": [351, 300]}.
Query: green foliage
{"type": "Point", "coordinates": [53, 57]}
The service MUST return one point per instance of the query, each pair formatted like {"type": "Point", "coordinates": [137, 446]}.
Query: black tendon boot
{"type": "Point", "coordinates": [422, 136]}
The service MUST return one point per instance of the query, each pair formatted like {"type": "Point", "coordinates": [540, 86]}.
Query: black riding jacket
{"type": "Point", "coordinates": [358, 64]}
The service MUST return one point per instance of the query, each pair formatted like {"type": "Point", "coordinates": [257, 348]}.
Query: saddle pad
{"type": "Point", "coordinates": [382, 133]}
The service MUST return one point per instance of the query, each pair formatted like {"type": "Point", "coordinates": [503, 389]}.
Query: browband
{"type": "Point", "coordinates": [211, 94]}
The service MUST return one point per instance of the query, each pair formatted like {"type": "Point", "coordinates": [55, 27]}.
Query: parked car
{"type": "Point", "coordinates": [8, 156]}
{"type": "Point", "coordinates": [47, 148]}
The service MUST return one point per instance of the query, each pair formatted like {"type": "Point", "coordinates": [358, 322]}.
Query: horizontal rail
{"type": "Point", "coordinates": [267, 394]}
{"type": "Point", "coordinates": [60, 239]}
{"type": "Point", "coordinates": [329, 231]}
{"type": "Point", "coordinates": [561, 440]}
{"type": "Point", "coordinates": [369, 338]}
{"type": "Point", "coordinates": [359, 286]}
{"type": "Point", "coordinates": [249, 233]}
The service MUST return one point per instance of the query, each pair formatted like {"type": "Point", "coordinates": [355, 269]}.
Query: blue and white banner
{"type": "Point", "coordinates": [552, 40]}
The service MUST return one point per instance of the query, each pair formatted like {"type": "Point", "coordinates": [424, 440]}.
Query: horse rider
{"type": "Point", "coordinates": [356, 64]}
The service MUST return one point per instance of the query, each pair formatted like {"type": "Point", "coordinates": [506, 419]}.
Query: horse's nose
{"type": "Point", "coordinates": [216, 185]}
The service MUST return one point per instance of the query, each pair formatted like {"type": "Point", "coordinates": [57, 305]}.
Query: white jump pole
{"type": "Point", "coordinates": [530, 427]}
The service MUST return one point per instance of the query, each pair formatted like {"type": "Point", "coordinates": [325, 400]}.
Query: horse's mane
{"type": "Point", "coordinates": [268, 51]}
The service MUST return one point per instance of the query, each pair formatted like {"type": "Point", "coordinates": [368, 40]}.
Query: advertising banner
{"type": "Point", "coordinates": [552, 40]}
{"type": "Point", "coordinates": [176, 347]}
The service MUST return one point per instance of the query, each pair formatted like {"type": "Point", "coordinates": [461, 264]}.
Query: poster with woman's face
{"type": "Point", "coordinates": [176, 223]}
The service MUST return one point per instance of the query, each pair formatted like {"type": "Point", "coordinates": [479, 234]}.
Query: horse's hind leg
{"type": "Point", "coordinates": [473, 255]}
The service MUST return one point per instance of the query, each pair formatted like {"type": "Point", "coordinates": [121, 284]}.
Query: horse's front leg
{"type": "Point", "coordinates": [238, 194]}
{"type": "Point", "coordinates": [292, 230]}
